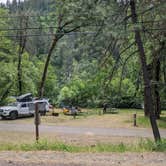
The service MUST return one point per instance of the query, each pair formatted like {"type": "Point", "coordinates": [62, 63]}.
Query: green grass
{"type": "Point", "coordinates": [144, 122]}
{"type": "Point", "coordinates": [130, 111]}
{"type": "Point", "coordinates": [142, 146]}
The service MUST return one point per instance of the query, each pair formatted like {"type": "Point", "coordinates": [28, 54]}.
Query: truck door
{"type": "Point", "coordinates": [24, 109]}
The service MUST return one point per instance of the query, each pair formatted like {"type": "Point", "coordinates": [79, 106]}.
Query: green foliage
{"type": "Point", "coordinates": [84, 68]}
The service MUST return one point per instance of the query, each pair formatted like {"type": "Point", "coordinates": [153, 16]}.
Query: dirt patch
{"type": "Point", "coordinates": [47, 158]}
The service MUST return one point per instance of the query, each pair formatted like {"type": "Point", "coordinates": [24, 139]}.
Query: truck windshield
{"type": "Point", "coordinates": [13, 104]}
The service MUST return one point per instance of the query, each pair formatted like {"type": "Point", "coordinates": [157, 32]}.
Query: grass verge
{"type": "Point", "coordinates": [142, 146]}
{"type": "Point", "coordinates": [143, 121]}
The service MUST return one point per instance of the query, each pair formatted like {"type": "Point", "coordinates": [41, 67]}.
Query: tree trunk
{"type": "Point", "coordinates": [41, 88]}
{"type": "Point", "coordinates": [22, 44]}
{"type": "Point", "coordinates": [156, 78]}
{"type": "Point", "coordinates": [148, 94]}
{"type": "Point", "coordinates": [164, 68]}
{"type": "Point", "coordinates": [156, 68]}
{"type": "Point", "coordinates": [19, 70]}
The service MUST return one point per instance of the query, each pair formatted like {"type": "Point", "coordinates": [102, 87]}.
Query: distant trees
{"type": "Point", "coordinates": [87, 49]}
{"type": "Point", "coordinates": [69, 16]}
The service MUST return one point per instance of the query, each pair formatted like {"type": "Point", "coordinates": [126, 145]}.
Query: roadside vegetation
{"type": "Point", "coordinates": [141, 146]}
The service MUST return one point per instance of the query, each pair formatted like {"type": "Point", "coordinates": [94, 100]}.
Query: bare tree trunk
{"type": "Point", "coordinates": [41, 88]}
{"type": "Point", "coordinates": [148, 94]}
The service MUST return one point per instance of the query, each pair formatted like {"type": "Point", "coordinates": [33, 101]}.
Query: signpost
{"type": "Point", "coordinates": [37, 121]}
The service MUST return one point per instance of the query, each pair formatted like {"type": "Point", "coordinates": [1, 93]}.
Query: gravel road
{"type": "Point", "coordinates": [47, 158]}
{"type": "Point", "coordinates": [135, 132]}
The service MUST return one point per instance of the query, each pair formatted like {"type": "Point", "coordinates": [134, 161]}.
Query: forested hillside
{"type": "Point", "coordinates": [90, 48]}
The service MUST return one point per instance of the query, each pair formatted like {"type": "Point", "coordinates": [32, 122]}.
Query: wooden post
{"type": "Point", "coordinates": [37, 121]}
{"type": "Point", "coordinates": [135, 119]}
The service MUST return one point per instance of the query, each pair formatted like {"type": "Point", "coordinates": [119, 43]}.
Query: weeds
{"type": "Point", "coordinates": [141, 146]}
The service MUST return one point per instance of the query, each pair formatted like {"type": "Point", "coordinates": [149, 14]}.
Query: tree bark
{"type": "Point", "coordinates": [148, 94]}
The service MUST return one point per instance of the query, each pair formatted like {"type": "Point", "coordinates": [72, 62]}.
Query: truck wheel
{"type": "Point", "coordinates": [42, 113]}
{"type": "Point", "coordinates": [13, 115]}
{"type": "Point", "coordinates": [3, 117]}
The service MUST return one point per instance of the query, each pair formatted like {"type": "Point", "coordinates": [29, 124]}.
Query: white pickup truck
{"type": "Point", "coordinates": [17, 109]}
{"type": "Point", "coordinates": [23, 109]}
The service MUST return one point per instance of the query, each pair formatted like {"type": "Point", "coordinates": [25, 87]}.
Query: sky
{"type": "Point", "coordinates": [4, 0]}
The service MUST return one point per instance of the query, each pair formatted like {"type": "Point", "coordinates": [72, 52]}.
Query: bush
{"type": "Point", "coordinates": [125, 102]}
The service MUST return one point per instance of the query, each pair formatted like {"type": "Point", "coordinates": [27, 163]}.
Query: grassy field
{"type": "Point", "coordinates": [88, 118]}
{"type": "Point", "coordinates": [94, 118]}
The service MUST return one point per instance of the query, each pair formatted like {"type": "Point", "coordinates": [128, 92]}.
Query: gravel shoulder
{"type": "Point", "coordinates": [48, 158]}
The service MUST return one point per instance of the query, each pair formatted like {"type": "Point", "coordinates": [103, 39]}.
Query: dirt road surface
{"type": "Point", "coordinates": [145, 133]}
{"type": "Point", "coordinates": [47, 158]}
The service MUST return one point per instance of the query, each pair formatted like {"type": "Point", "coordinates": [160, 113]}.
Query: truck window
{"type": "Point", "coordinates": [23, 105]}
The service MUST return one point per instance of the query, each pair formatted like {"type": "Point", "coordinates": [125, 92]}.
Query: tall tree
{"type": "Point", "coordinates": [148, 92]}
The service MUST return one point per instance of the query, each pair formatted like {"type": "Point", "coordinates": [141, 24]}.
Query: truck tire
{"type": "Point", "coordinates": [13, 115]}
{"type": "Point", "coordinates": [42, 113]}
{"type": "Point", "coordinates": [3, 117]}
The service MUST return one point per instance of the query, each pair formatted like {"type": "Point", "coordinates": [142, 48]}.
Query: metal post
{"type": "Point", "coordinates": [135, 119]}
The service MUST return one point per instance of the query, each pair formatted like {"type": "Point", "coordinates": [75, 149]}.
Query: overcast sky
{"type": "Point", "coordinates": [4, 0]}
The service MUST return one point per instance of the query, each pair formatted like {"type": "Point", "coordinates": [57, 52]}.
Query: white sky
{"type": "Point", "coordinates": [4, 0]}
